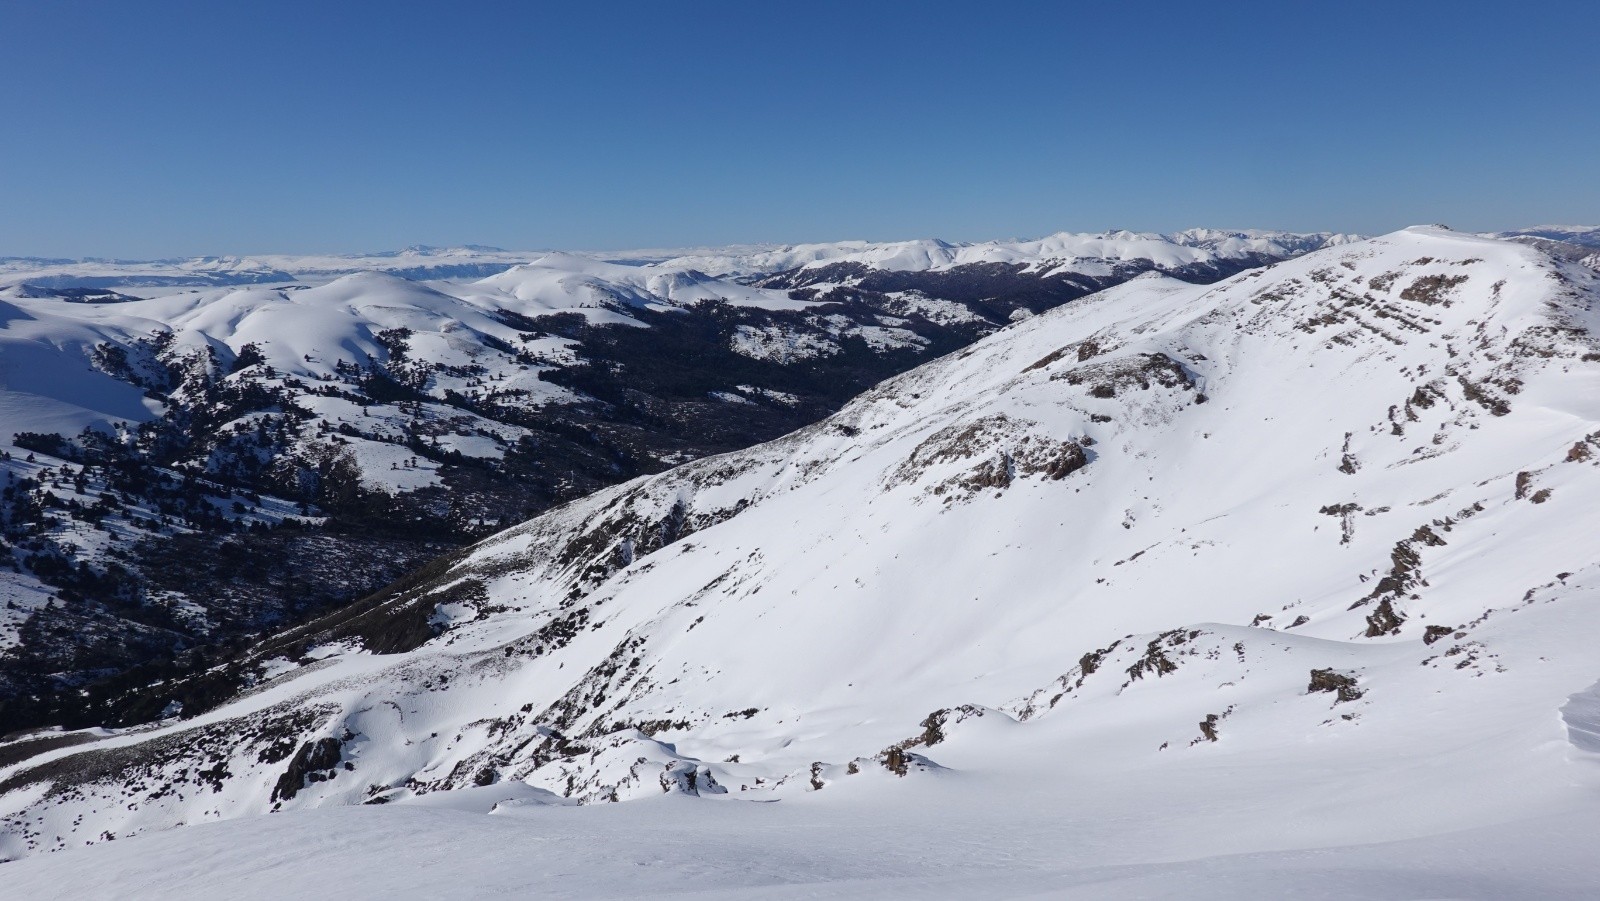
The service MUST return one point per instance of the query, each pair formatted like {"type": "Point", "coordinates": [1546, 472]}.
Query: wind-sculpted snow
{"type": "Point", "coordinates": [1323, 530]}
{"type": "Point", "coordinates": [1581, 713]}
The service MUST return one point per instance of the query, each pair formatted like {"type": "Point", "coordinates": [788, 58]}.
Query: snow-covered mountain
{"type": "Point", "coordinates": [156, 449]}
{"type": "Point", "coordinates": [187, 467]}
{"type": "Point", "coordinates": [1172, 251]}
{"type": "Point", "coordinates": [1298, 559]}
{"type": "Point", "coordinates": [1044, 271]}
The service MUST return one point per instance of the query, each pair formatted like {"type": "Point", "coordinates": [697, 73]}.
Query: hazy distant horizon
{"type": "Point", "coordinates": [685, 249]}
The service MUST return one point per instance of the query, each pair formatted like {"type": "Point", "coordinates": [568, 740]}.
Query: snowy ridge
{"type": "Point", "coordinates": [555, 278]}
{"type": "Point", "coordinates": [413, 262]}
{"type": "Point", "coordinates": [1321, 518]}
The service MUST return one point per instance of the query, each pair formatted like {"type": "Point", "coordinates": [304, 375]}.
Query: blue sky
{"type": "Point", "coordinates": [175, 128]}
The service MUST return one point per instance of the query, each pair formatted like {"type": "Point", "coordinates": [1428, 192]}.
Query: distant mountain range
{"type": "Point", "coordinates": [421, 262]}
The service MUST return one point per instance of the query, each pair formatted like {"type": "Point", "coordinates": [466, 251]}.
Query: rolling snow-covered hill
{"type": "Point", "coordinates": [188, 467]}
{"type": "Point", "coordinates": [1300, 559]}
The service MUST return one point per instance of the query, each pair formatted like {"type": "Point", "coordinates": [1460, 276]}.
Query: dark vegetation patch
{"type": "Point", "coordinates": [18, 751]}
{"type": "Point", "coordinates": [190, 759]}
{"type": "Point", "coordinates": [993, 290]}
{"type": "Point", "coordinates": [393, 619]}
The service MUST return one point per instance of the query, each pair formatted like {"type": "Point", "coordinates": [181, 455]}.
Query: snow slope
{"type": "Point", "coordinates": [46, 380]}
{"type": "Point", "coordinates": [1296, 561]}
{"type": "Point", "coordinates": [452, 407]}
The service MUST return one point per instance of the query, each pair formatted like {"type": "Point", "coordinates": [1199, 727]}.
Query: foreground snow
{"type": "Point", "coordinates": [949, 841]}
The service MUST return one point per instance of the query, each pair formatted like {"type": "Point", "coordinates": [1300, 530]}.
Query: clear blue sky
{"type": "Point", "coordinates": [160, 128]}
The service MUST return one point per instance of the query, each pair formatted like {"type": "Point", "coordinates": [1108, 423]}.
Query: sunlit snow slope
{"type": "Point", "coordinates": [185, 409]}
{"type": "Point", "coordinates": [196, 453]}
{"type": "Point", "coordinates": [1305, 557]}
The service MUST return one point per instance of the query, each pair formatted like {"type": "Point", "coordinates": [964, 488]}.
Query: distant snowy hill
{"type": "Point", "coordinates": [421, 262]}
{"type": "Point", "coordinates": [1060, 265]}
{"type": "Point", "coordinates": [418, 262]}
{"type": "Point", "coordinates": [1166, 251]}
{"type": "Point", "coordinates": [1298, 559]}
{"type": "Point", "coordinates": [1582, 235]}
{"type": "Point", "coordinates": [192, 462]}
{"type": "Point", "coordinates": [1577, 243]}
